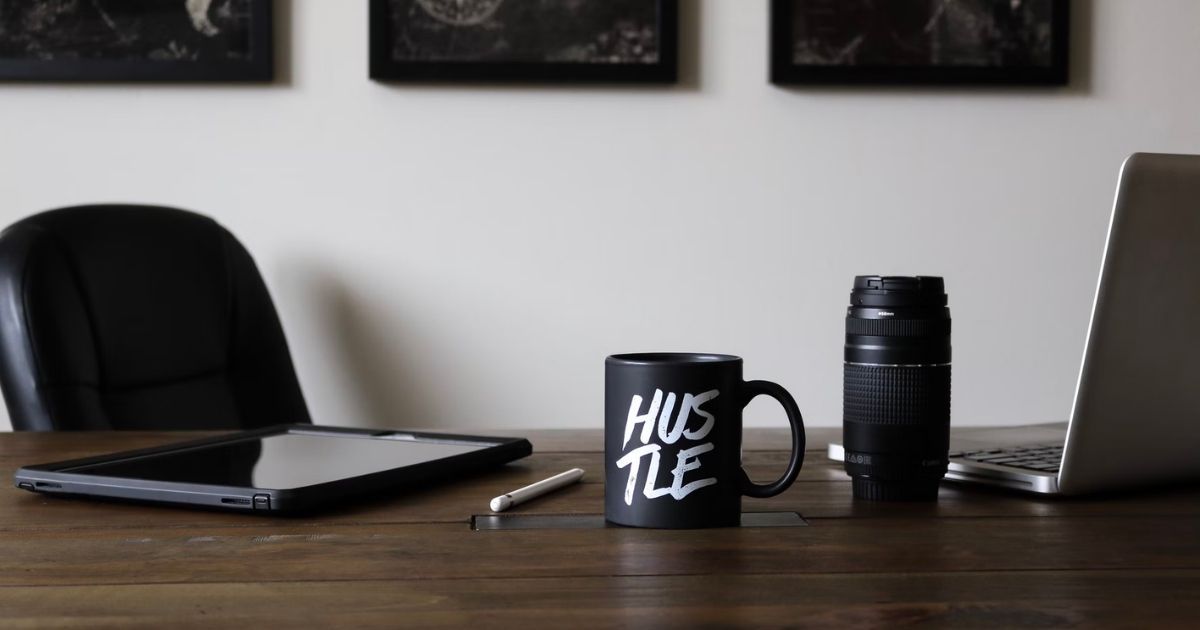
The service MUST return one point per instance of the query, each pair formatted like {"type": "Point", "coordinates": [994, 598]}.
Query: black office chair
{"type": "Point", "coordinates": [137, 317]}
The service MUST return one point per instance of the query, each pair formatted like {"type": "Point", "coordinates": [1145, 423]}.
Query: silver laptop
{"type": "Point", "coordinates": [1136, 416]}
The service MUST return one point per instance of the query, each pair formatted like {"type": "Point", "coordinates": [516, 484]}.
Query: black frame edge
{"type": "Point", "coordinates": [260, 69]}
{"type": "Point", "coordinates": [383, 68]}
{"type": "Point", "coordinates": [784, 73]}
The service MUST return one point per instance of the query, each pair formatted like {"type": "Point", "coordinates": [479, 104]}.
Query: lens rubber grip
{"type": "Point", "coordinates": [896, 395]}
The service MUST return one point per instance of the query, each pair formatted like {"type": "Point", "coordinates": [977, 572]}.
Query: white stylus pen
{"type": "Point", "coordinates": [533, 491]}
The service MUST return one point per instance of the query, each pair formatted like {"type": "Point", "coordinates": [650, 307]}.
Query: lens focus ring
{"type": "Point", "coordinates": [896, 395]}
{"type": "Point", "coordinates": [898, 327]}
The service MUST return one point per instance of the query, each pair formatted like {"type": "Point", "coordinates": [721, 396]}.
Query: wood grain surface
{"type": "Point", "coordinates": [976, 558]}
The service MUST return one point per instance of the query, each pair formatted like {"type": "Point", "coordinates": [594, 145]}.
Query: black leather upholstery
{"type": "Point", "coordinates": [138, 317]}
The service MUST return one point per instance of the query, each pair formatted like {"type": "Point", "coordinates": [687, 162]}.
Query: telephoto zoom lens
{"type": "Point", "coordinates": [896, 387]}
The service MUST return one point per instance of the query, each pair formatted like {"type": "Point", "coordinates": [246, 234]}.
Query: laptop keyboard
{"type": "Point", "coordinates": [1040, 457]}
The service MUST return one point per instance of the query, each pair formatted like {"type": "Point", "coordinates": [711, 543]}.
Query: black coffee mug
{"type": "Point", "coordinates": [673, 440]}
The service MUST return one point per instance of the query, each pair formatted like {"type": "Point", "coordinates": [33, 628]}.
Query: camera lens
{"type": "Point", "coordinates": [896, 387]}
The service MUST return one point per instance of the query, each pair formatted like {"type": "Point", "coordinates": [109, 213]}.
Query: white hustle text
{"type": "Point", "coordinates": [687, 460]}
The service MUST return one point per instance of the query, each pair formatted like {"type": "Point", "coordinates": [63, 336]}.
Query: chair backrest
{"type": "Point", "coordinates": [138, 317]}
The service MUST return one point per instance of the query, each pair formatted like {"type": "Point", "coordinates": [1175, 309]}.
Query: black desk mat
{"type": "Point", "coordinates": [508, 522]}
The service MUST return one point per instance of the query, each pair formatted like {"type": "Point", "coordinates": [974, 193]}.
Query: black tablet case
{"type": "Point", "coordinates": [54, 478]}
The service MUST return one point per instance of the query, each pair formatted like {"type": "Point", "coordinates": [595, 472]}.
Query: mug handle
{"type": "Point", "coordinates": [750, 391]}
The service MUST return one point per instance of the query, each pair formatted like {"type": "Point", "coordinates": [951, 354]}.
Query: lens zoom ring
{"type": "Point", "coordinates": [877, 394]}
{"type": "Point", "coordinates": [898, 327]}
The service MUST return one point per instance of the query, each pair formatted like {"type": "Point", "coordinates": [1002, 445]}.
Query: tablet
{"type": "Point", "coordinates": [287, 468]}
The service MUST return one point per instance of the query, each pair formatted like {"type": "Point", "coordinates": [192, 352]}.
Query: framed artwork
{"type": "Point", "coordinates": [610, 41]}
{"type": "Point", "coordinates": [136, 40]}
{"type": "Point", "coordinates": [920, 41]}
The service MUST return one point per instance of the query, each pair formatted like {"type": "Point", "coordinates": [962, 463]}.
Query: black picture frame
{"type": "Point", "coordinates": [785, 72]}
{"type": "Point", "coordinates": [259, 68]}
{"type": "Point", "coordinates": [383, 67]}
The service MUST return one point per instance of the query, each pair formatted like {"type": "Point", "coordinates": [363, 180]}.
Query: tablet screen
{"type": "Point", "coordinates": [284, 461]}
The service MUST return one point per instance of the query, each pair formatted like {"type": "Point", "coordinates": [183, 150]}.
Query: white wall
{"type": "Point", "coordinates": [466, 257]}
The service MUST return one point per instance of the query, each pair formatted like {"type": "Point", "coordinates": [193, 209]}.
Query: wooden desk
{"type": "Point", "coordinates": [976, 558]}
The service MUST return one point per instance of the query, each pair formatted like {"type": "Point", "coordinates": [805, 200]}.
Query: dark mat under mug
{"type": "Point", "coordinates": [493, 522]}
